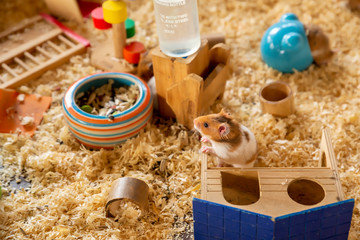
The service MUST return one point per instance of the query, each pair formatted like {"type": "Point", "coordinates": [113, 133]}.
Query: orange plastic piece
{"type": "Point", "coordinates": [12, 110]}
{"type": "Point", "coordinates": [132, 52]}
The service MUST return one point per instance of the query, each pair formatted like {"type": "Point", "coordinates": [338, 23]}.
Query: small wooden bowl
{"type": "Point", "coordinates": [277, 99]}
{"type": "Point", "coordinates": [98, 131]}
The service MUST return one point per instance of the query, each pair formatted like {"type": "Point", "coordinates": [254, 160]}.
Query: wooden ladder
{"type": "Point", "coordinates": [27, 52]}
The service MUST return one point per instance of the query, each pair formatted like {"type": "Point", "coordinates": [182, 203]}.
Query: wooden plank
{"type": "Point", "coordinates": [29, 44]}
{"type": "Point", "coordinates": [272, 203]}
{"type": "Point", "coordinates": [276, 181]}
{"type": "Point", "coordinates": [43, 67]}
{"type": "Point", "coordinates": [203, 176]}
{"type": "Point", "coordinates": [169, 71]}
{"type": "Point", "coordinates": [280, 188]}
{"type": "Point", "coordinates": [282, 181]}
{"type": "Point", "coordinates": [280, 173]}
{"type": "Point", "coordinates": [269, 188]}
{"type": "Point", "coordinates": [327, 149]}
{"type": "Point", "coordinates": [20, 26]}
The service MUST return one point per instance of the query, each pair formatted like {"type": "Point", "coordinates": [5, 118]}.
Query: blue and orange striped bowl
{"type": "Point", "coordinates": [98, 131]}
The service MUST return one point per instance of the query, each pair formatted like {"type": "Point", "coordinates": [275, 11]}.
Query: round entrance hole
{"type": "Point", "coordinates": [305, 191]}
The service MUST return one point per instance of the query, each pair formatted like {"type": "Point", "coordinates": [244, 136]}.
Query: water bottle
{"type": "Point", "coordinates": [177, 24]}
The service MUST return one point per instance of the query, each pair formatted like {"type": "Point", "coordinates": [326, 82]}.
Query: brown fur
{"type": "Point", "coordinates": [319, 44]}
{"type": "Point", "coordinates": [214, 121]}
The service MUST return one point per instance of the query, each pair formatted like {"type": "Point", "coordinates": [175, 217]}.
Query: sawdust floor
{"type": "Point", "coordinates": [69, 183]}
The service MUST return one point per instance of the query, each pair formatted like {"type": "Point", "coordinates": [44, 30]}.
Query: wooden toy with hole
{"type": "Point", "coordinates": [274, 203]}
{"type": "Point", "coordinates": [277, 99]}
{"type": "Point", "coordinates": [34, 46]}
{"type": "Point", "coordinates": [186, 87]}
{"type": "Point", "coordinates": [115, 54]}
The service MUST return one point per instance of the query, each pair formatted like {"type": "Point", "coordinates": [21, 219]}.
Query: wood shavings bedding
{"type": "Point", "coordinates": [69, 183]}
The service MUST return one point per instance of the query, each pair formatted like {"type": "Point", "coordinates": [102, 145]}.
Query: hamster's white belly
{"type": "Point", "coordinates": [240, 156]}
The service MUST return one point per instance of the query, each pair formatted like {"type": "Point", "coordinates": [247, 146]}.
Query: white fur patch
{"type": "Point", "coordinates": [242, 154]}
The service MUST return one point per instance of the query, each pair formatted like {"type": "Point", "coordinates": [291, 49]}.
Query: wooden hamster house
{"type": "Point", "coordinates": [273, 203]}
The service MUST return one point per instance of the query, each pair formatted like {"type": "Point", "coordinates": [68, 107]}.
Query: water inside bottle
{"type": "Point", "coordinates": [178, 27]}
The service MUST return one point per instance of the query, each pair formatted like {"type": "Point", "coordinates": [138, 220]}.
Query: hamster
{"type": "Point", "coordinates": [319, 44]}
{"type": "Point", "coordinates": [232, 143]}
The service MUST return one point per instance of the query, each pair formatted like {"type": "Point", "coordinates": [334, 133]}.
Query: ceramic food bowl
{"type": "Point", "coordinates": [99, 131]}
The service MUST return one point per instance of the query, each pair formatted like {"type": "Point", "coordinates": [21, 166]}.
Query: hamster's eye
{"type": "Point", "coordinates": [206, 124]}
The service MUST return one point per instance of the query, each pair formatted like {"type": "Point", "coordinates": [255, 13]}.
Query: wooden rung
{"type": "Point", "coordinates": [41, 50]}
{"type": "Point", "coordinates": [31, 57]}
{"type": "Point", "coordinates": [54, 46]}
{"type": "Point", "coordinates": [66, 41]}
{"type": "Point", "coordinates": [2, 80]}
{"type": "Point", "coordinates": [8, 69]}
{"type": "Point", "coordinates": [21, 63]}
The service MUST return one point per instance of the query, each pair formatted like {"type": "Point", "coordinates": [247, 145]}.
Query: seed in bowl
{"type": "Point", "coordinates": [107, 100]}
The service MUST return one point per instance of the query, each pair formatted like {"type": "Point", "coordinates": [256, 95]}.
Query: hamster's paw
{"type": "Point", "coordinates": [204, 140]}
{"type": "Point", "coordinates": [206, 149]}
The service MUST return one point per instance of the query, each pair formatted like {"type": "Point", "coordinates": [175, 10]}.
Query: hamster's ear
{"type": "Point", "coordinates": [225, 112]}
{"type": "Point", "coordinates": [224, 129]}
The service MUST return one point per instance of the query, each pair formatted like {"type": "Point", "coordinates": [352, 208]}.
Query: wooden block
{"type": "Point", "coordinates": [192, 96]}
{"type": "Point", "coordinates": [183, 98]}
{"type": "Point", "coordinates": [169, 71]}
{"type": "Point", "coordinates": [327, 152]}
{"type": "Point", "coordinates": [185, 87]}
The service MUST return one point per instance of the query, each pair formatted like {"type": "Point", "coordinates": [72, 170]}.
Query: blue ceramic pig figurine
{"type": "Point", "coordinates": [285, 46]}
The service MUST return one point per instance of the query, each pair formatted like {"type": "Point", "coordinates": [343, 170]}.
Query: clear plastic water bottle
{"type": "Point", "coordinates": [177, 26]}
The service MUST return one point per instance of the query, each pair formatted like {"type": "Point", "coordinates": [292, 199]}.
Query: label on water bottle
{"type": "Point", "coordinates": [172, 22]}
{"type": "Point", "coordinates": [171, 3]}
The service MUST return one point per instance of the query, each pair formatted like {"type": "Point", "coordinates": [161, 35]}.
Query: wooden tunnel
{"type": "Point", "coordinates": [187, 87]}
{"type": "Point", "coordinates": [275, 191]}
